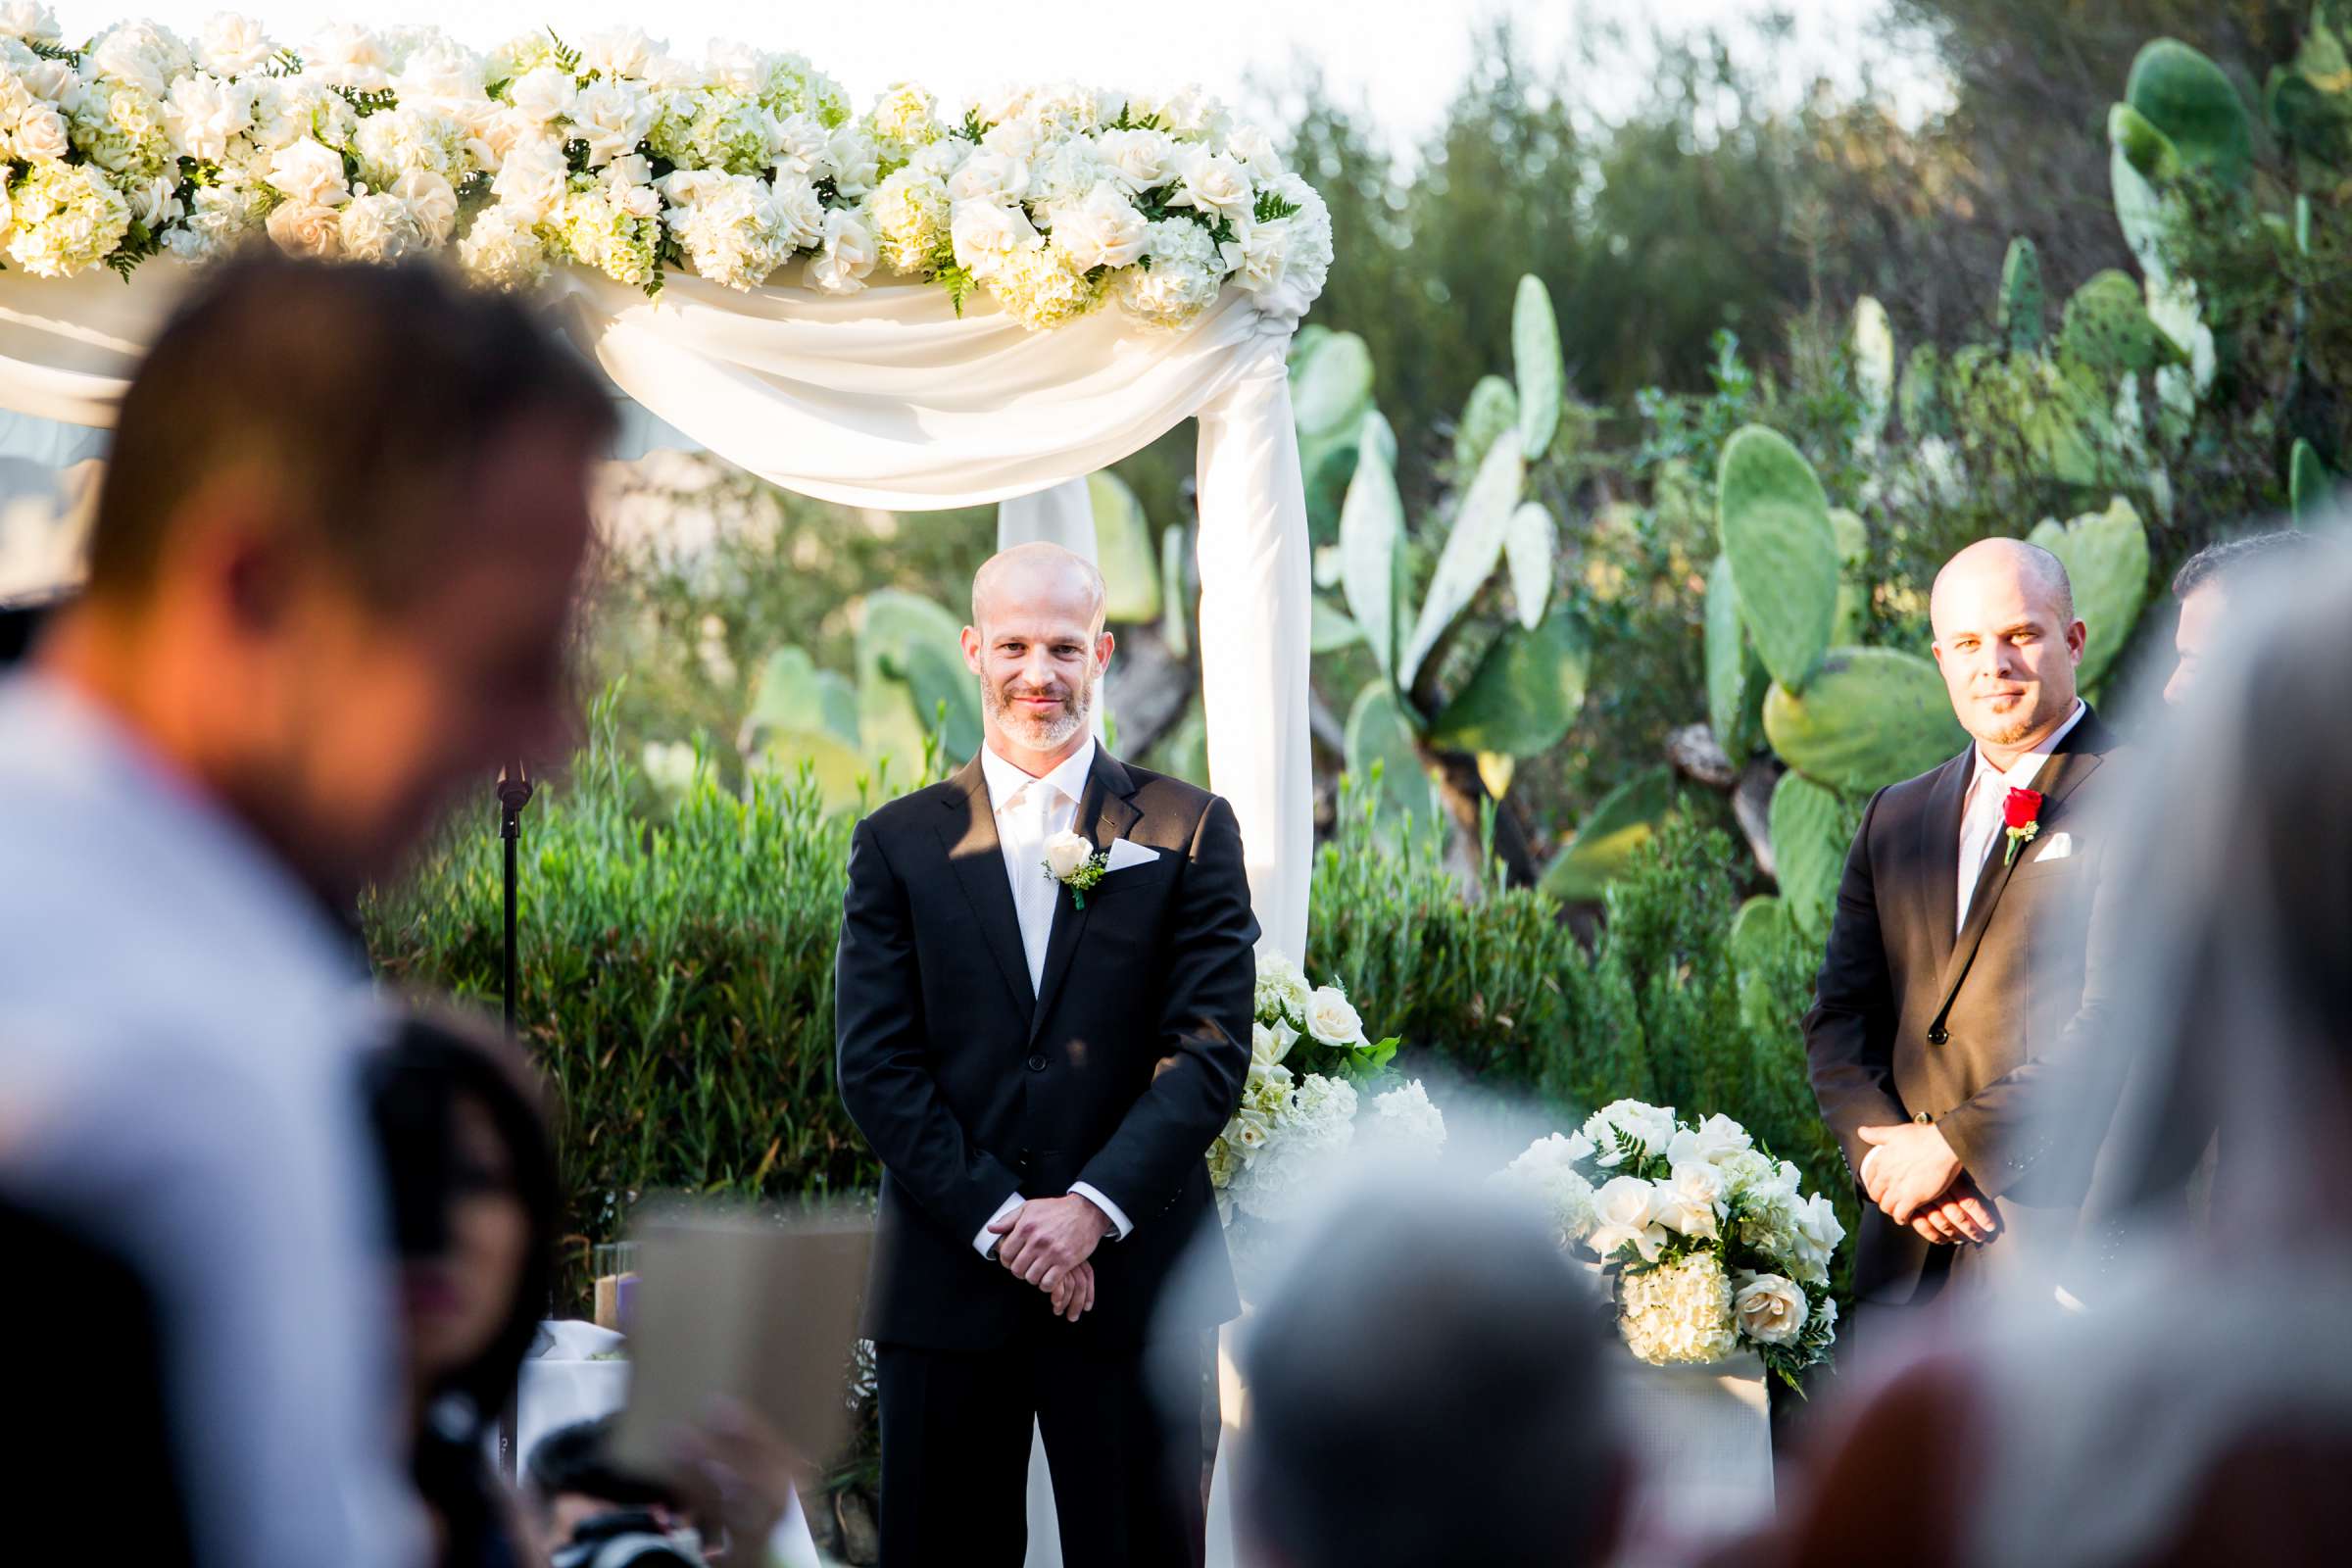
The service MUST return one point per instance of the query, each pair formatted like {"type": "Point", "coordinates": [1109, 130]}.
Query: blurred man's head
{"type": "Point", "coordinates": [333, 561]}
{"type": "Point", "coordinates": [1426, 1386]}
{"type": "Point", "coordinates": [2007, 642]}
{"type": "Point", "coordinates": [1037, 643]}
{"type": "Point", "coordinates": [2202, 587]}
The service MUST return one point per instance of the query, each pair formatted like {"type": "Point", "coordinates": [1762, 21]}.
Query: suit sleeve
{"type": "Point", "coordinates": [1203, 1029]}
{"type": "Point", "coordinates": [2007, 1130]}
{"type": "Point", "coordinates": [886, 1084]}
{"type": "Point", "coordinates": [1849, 1032]}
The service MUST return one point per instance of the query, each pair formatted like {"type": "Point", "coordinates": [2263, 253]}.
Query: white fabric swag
{"type": "Point", "coordinates": [888, 399]}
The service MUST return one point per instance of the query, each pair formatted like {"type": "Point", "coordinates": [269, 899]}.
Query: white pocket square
{"type": "Point", "coordinates": [1125, 852]}
{"type": "Point", "coordinates": [2057, 849]}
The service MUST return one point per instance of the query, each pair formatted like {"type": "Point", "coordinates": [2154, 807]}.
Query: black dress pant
{"type": "Point", "coordinates": [955, 1440]}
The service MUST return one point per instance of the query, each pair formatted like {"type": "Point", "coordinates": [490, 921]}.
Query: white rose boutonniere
{"type": "Point", "coordinates": [1074, 862]}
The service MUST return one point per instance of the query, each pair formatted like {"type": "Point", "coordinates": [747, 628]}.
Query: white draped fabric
{"type": "Point", "coordinates": [888, 399]}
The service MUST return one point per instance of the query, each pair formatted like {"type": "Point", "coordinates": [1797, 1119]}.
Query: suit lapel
{"type": "Point", "coordinates": [968, 829]}
{"type": "Point", "coordinates": [1939, 852]}
{"type": "Point", "coordinates": [2074, 762]}
{"type": "Point", "coordinates": [1105, 814]}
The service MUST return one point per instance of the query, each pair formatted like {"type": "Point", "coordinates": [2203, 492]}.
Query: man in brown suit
{"type": "Point", "coordinates": [1965, 973]}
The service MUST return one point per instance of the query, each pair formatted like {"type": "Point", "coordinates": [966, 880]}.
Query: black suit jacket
{"type": "Point", "coordinates": [1977, 1032]}
{"type": "Point", "coordinates": [1120, 1072]}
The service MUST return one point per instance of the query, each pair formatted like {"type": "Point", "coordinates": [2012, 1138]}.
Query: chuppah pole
{"type": "Point", "coordinates": [513, 794]}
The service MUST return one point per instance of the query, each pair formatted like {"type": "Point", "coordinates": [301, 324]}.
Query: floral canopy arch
{"type": "Point", "coordinates": [911, 306]}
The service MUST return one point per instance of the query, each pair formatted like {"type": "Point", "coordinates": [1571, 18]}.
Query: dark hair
{"type": "Point", "coordinates": [577, 1461]}
{"type": "Point", "coordinates": [437, 1057]}
{"type": "Point", "coordinates": [2219, 562]}
{"type": "Point", "coordinates": [366, 397]}
{"type": "Point", "coordinates": [1417, 1334]}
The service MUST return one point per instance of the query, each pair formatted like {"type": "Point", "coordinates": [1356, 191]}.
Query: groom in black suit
{"type": "Point", "coordinates": [1041, 1066]}
{"type": "Point", "coordinates": [1969, 965]}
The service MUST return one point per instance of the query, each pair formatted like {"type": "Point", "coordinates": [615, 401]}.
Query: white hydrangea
{"type": "Point", "coordinates": [1547, 1173]}
{"type": "Point", "coordinates": [1404, 1123]}
{"type": "Point", "coordinates": [138, 55]}
{"type": "Point", "coordinates": [433, 201]}
{"type": "Point", "coordinates": [1282, 989]}
{"type": "Point", "coordinates": [442, 75]}
{"type": "Point", "coordinates": [502, 249]}
{"type": "Point", "coordinates": [121, 128]}
{"type": "Point", "coordinates": [219, 217]}
{"type": "Point", "coordinates": [1681, 1313]}
{"type": "Point", "coordinates": [908, 216]}
{"type": "Point", "coordinates": [410, 137]}
{"type": "Point", "coordinates": [904, 118]}
{"type": "Point", "coordinates": [599, 224]}
{"type": "Point", "coordinates": [1317, 1126]}
{"type": "Point", "coordinates": [735, 230]}
{"type": "Point", "coordinates": [66, 218]}
{"type": "Point", "coordinates": [1182, 281]}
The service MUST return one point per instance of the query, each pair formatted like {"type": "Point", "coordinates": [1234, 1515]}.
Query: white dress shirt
{"type": "Point", "coordinates": [1029, 812]}
{"type": "Point", "coordinates": [179, 1030]}
{"type": "Point", "coordinates": [1982, 814]}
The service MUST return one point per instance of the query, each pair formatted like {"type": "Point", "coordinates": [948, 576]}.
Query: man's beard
{"type": "Point", "coordinates": [2040, 717]}
{"type": "Point", "coordinates": [1040, 734]}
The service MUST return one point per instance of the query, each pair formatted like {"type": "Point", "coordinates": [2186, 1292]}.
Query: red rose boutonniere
{"type": "Point", "coordinates": [2020, 815]}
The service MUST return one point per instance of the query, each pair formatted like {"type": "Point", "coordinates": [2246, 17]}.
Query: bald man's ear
{"type": "Point", "coordinates": [2078, 637]}
{"type": "Point", "coordinates": [1103, 647]}
{"type": "Point", "coordinates": [971, 649]}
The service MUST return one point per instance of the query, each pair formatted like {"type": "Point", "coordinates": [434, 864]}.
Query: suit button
{"type": "Point", "coordinates": [1938, 1035]}
{"type": "Point", "coordinates": [1923, 1118]}
{"type": "Point", "coordinates": [1037, 1062]}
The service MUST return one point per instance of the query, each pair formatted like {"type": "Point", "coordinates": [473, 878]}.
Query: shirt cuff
{"type": "Point", "coordinates": [985, 1242]}
{"type": "Point", "coordinates": [1094, 1195]}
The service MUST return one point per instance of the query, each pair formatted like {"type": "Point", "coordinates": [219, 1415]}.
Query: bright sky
{"type": "Point", "coordinates": [1399, 58]}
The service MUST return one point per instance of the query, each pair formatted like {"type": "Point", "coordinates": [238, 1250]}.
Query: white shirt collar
{"type": "Point", "coordinates": [1006, 779]}
{"type": "Point", "coordinates": [2020, 773]}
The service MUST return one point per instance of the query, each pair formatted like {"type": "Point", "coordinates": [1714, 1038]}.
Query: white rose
{"type": "Point", "coordinates": [1103, 231]}
{"type": "Point", "coordinates": [497, 131]}
{"type": "Point", "coordinates": [308, 174]}
{"type": "Point", "coordinates": [1263, 254]}
{"type": "Point", "coordinates": [532, 179]}
{"type": "Point", "coordinates": [984, 233]}
{"type": "Point", "coordinates": [1625, 1209]}
{"type": "Point", "coordinates": [345, 54]}
{"type": "Point", "coordinates": [1330, 1018]}
{"type": "Point", "coordinates": [612, 118]}
{"type": "Point", "coordinates": [1651, 1126]}
{"type": "Point", "coordinates": [1067, 852]}
{"type": "Point", "coordinates": [136, 55]}
{"type": "Point", "coordinates": [848, 255]}
{"type": "Point", "coordinates": [1268, 1046]}
{"type": "Point", "coordinates": [41, 136]}
{"type": "Point", "coordinates": [798, 212]}
{"type": "Point", "coordinates": [1256, 151]}
{"type": "Point", "coordinates": [543, 94]}
{"type": "Point", "coordinates": [1138, 158]}
{"type": "Point", "coordinates": [1771, 1310]}
{"type": "Point", "coordinates": [1689, 1200]}
{"type": "Point", "coordinates": [28, 19]}
{"type": "Point", "coordinates": [442, 75]}
{"type": "Point", "coordinates": [739, 68]}
{"type": "Point", "coordinates": [431, 200]}
{"type": "Point", "coordinates": [987, 176]}
{"type": "Point", "coordinates": [621, 52]}
{"type": "Point", "coordinates": [380, 227]}
{"type": "Point", "coordinates": [799, 143]}
{"type": "Point", "coordinates": [630, 180]}
{"type": "Point", "coordinates": [1215, 185]}
{"type": "Point", "coordinates": [855, 160]}
{"type": "Point", "coordinates": [232, 45]}
{"type": "Point", "coordinates": [306, 229]}
{"type": "Point", "coordinates": [203, 112]}
{"type": "Point", "coordinates": [1579, 1147]}
{"type": "Point", "coordinates": [1715, 1141]}
{"type": "Point", "coordinates": [1019, 140]}
{"type": "Point", "coordinates": [153, 201]}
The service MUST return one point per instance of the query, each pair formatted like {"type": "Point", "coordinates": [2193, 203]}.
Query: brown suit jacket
{"type": "Point", "coordinates": [1974, 1031]}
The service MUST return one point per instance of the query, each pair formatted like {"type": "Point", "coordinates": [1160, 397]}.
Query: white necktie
{"type": "Point", "coordinates": [1036, 907]}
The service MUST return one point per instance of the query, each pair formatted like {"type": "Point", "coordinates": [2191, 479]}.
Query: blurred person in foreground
{"type": "Point", "coordinates": [2198, 1407]}
{"type": "Point", "coordinates": [1968, 963]}
{"type": "Point", "coordinates": [732, 1495]}
{"type": "Point", "coordinates": [1044, 996]}
{"type": "Point", "coordinates": [471, 1173]}
{"type": "Point", "coordinates": [330, 578]}
{"type": "Point", "coordinates": [2202, 587]}
{"type": "Point", "coordinates": [1427, 1385]}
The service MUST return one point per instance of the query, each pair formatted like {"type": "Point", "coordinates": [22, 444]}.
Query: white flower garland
{"type": "Point", "coordinates": [622, 158]}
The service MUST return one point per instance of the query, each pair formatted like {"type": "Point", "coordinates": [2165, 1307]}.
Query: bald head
{"type": "Point", "coordinates": [2007, 643]}
{"type": "Point", "coordinates": [2010, 562]}
{"type": "Point", "coordinates": [1037, 643]}
{"type": "Point", "coordinates": [1038, 573]}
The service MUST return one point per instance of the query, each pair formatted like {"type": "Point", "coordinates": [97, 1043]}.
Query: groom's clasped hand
{"type": "Point", "coordinates": [1047, 1242]}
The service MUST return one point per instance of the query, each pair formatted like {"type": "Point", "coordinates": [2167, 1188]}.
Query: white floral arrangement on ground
{"type": "Point", "coordinates": [1315, 1091]}
{"type": "Point", "coordinates": [623, 158]}
{"type": "Point", "coordinates": [1712, 1246]}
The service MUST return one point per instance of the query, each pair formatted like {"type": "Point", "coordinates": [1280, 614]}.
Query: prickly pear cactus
{"type": "Point", "coordinates": [2308, 487]}
{"type": "Point", "coordinates": [1872, 717]}
{"type": "Point", "coordinates": [2106, 556]}
{"type": "Point", "coordinates": [1736, 676]}
{"type": "Point", "coordinates": [1543, 375]}
{"type": "Point", "coordinates": [2191, 99]}
{"type": "Point", "coordinates": [1524, 695]}
{"type": "Point", "coordinates": [1775, 525]}
{"type": "Point", "coordinates": [2107, 331]}
{"type": "Point", "coordinates": [1811, 828]}
{"type": "Point", "coordinates": [1493, 409]}
{"type": "Point", "coordinates": [2021, 297]}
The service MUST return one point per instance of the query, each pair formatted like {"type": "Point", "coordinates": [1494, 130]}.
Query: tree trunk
{"type": "Point", "coordinates": [1465, 795]}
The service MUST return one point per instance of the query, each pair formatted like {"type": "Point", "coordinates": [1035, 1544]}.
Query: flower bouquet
{"type": "Point", "coordinates": [1315, 1090]}
{"type": "Point", "coordinates": [1709, 1243]}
